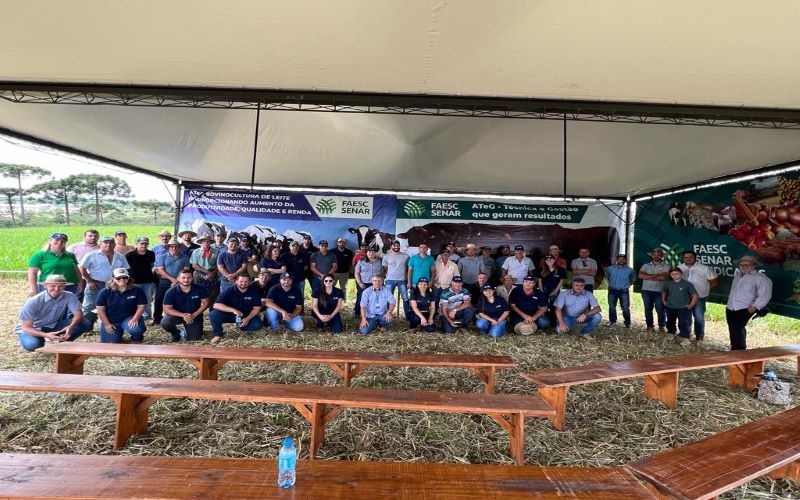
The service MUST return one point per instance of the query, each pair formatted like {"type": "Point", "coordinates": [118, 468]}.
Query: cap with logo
{"type": "Point", "coordinates": [457, 279]}
{"type": "Point", "coordinates": [323, 242]}
{"type": "Point", "coordinates": [286, 276]}
{"type": "Point", "coordinates": [529, 278]}
{"type": "Point", "coordinates": [120, 232]}
{"type": "Point", "coordinates": [59, 236]}
{"type": "Point", "coordinates": [423, 280]}
{"type": "Point", "coordinates": [143, 239]}
{"type": "Point", "coordinates": [107, 238]}
{"type": "Point", "coordinates": [120, 272]}
{"type": "Point", "coordinates": [519, 247]}
{"type": "Point", "coordinates": [487, 287]}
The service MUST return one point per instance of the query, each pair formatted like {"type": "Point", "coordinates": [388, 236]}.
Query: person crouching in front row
{"type": "Point", "coordinates": [120, 308]}
{"type": "Point", "coordinates": [377, 306]}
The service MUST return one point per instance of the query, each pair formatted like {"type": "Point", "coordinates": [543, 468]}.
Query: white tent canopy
{"type": "Point", "coordinates": [710, 54]}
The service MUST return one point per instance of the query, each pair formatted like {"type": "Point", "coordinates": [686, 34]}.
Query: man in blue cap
{"type": "Point", "coordinates": [455, 306]}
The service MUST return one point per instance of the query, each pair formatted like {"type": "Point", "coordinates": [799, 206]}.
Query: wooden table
{"type": "Point", "coordinates": [317, 404]}
{"type": "Point", "coordinates": [70, 357]}
{"type": "Point", "coordinates": [103, 477]}
{"type": "Point", "coordinates": [660, 374]}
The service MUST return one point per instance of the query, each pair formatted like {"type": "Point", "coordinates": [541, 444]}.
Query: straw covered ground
{"type": "Point", "coordinates": [608, 423]}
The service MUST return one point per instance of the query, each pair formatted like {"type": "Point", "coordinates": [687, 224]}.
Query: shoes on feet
{"type": "Point", "coordinates": [586, 337]}
{"type": "Point", "coordinates": [662, 329]}
{"type": "Point", "coordinates": [216, 340]}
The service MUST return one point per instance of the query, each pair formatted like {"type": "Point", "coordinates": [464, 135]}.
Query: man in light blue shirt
{"type": "Point", "coordinates": [620, 279]}
{"type": "Point", "coordinates": [577, 306]}
{"type": "Point", "coordinates": [377, 306]}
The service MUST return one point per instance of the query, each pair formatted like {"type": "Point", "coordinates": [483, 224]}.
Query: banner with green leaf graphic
{"type": "Point", "coordinates": [760, 218]}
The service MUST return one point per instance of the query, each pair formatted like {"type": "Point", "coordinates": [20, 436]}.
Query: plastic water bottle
{"type": "Point", "coordinates": [238, 321]}
{"type": "Point", "coordinates": [769, 374]}
{"type": "Point", "coordinates": [182, 331]}
{"type": "Point", "coordinates": [287, 459]}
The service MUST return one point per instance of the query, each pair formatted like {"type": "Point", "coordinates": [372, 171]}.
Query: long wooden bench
{"type": "Point", "coordinates": [714, 465]}
{"type": "Point", "coordinates": [317, 404]}
{"type": "Point", "coordinates": [93, 476]}
{"type": "Point", "coordinates": [70, 357]}
{"type": "Point", "coordinates": [660, 374]}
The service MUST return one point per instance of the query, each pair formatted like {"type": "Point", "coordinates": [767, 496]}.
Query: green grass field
{"type": "Point", "coordinates": [19, 243]}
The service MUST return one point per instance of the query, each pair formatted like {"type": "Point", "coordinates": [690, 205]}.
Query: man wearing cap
{"type": "Point", "coordinates": [230, 264]}
{"type": "Point", "coordinates": [455, 307]}
{"type": "Point", "coordinates": [307, 247]}
{"type": "Point", "coordinates": [204, 263]}
{"type": "Point", "coordinates": [90, 237]}
{"type": "Point", "coordinates": [421, 265]}
{"type": "Point", "coordinates": [96, 267]}
{"type": "Point", "coordinates": [284, 303]}
{"type": "Point", "coordinates": [653, 275]}
{"type": "Point", "coordinates": [518, 265]}
{"type": "Point", "coordinates": [121, 246]}
{"type": "Point", "coordinates": [297, 263]}
{"type": "Point", "coordinates": [620, 278]}
{"type": "Point", "coordinates": [576, 306]}
{"type": "Point", "coordinates": [528, 306]}
{"type": "Point", "coordinates": [168, 267]}
{"type": "Point", "coordinates": [120, 307]}
{"type": "Point", "coordinates": [395, 269]}
{"type": "Point", "coordinates": [585, 267]}
{"type": "Point", "coordinates": [45, 315]}
{"type": "Point", "coordinates": [492, 313]}
{"type": "Point", "coordinates": [469, 267]}
{"type": "Point", "coordinates": [444, 271]}
{"type": "Point", "coordinates": [187, 246]}
{"type": "Point", "coordinates": [365, 270]}
{"type": "Point", "coordinates": [321, 262]}
{"type": "Point", "coordinates": [241, 301]}
{"type": "Point", "coordinates": [555, 252]}
{"type": "Point", "coordinates": [142, 262]}
{"type": "Point", "coordinates": [219, 243]}
{"type": "Point", "coordinates": [488, 263]}
{"type": "Point", "coordinates": [163, 237]}
{"type": "Point", "coordinates": [344, 263]}
{"type": "Point", "coordinates": [452, 250]}
{"type": "Point", "coordinates": [750, 293]}
{"type": "Point", "coordinates": [53, 260]}
{"type": "Point", "coordinates": [184, 304]}
{"type": "Point", "coordinates": [704, 279]}
{"type": "Point", "coordinates": [377, 306]}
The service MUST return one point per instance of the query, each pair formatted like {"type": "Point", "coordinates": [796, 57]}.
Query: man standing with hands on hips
{"type": "Point", "coordinates": [750, 292]}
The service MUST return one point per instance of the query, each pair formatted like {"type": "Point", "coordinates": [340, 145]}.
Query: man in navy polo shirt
{"type": "Point", "coordinates": [529, 307]}
{"type": "Point", "coordinates": [284, 303]}
{"type": "Point", "coordinates": [296, 263]}
{"type": "Point", "coordinates": [185, 304]}
{"type": "Point", "coordinates": [120, 307]}
{"type": "Point", "coordinates": [240, 301]}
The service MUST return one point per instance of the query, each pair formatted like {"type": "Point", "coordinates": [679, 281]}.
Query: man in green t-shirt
{"type": "Point", "coordinates": [679, 297]}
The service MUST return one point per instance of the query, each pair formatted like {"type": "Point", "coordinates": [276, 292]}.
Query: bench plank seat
{"type": "Point", "coordinates": [660, 374]}
{"type": "Point", "coordinates": [104, 476]}
{"type": "Point", "coordinates": [70, 358]}
{"type": "Point", "coordinates": [317, 404]}
{"type": "Point", "coordinates": [714, 465]}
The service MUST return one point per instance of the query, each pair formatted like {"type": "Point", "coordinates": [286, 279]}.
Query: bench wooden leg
{"type": "Point", "coordinates": [486, 375]}
{"type": "Point", "coordinates": [556, 397]}
{"type": "Point", "coordinates": [514, 424]}
{"type": "Point", "coordinates": [745, 374]}
{"type": "Point", "coordinates": [208, 368]}
{"type": "Point", "coordinates": [347, 371]}
{"type": "Point", "coordinates": [132, 413]}
{"type": "Point", "coordinates": [70, 363]}
{"type": "Point", "coordinates": [318, 415]}
{"type": "Point", "coordinates": [663, 387]}
{"type": "Point", "coordinates": [791, 471]}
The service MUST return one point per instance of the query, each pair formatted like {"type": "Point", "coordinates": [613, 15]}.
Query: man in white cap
{"type": "Point", "coordinates": [750, 293]}
{"type": "Point", "coordinates": [45, 315]}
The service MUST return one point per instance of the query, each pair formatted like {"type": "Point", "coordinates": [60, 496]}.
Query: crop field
{"type": "Point", "coordinates": [19, 243]}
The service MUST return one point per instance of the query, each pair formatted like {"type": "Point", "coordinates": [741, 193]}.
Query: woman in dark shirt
{"type": "Point", "coordinates": [492, 313]}
{"type": "Point", "coordinates": [551, 278]}
{"type": "Point", "coordinates": [272, 262]}
{"type": "Point", "coordinates": [423, 307]}
{"type": "Point", "coordinates": [326, 303]}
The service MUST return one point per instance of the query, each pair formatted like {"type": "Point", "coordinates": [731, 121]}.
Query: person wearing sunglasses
{"type": "Point", "coordinates": [120, 307]}
{"type": "Point", "coordinates": [326, 303]}
{"type": "Point", "coordinates": [54, 259]}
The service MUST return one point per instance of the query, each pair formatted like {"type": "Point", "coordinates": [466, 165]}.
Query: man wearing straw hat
{"type": "Point", "coordinates": [750, 293]}
{"type": "Point", "coordinates": [45, 315]}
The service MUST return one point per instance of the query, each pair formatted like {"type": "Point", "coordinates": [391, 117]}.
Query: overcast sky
{"type": "Point", "coordinates": [144, 187]}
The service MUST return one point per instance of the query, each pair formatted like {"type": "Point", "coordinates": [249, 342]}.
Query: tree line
{"type": "Point", "coordinates": [86, 193]}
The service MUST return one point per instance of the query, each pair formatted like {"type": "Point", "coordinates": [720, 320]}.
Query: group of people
{"type": "Point", "coordinates": [122, 286]}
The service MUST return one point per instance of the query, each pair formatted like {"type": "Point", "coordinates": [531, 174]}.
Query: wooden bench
{"type": "Point", "coordinates": [102, 476]}
{"type": "Point", "coordinates": [317, 404]}
{"type": "Point", "coordinates": [70, 357]}
{"type": "Point", "coordinates": [714, 465]}
{"type": "Point", "coordinates": [660, 374]}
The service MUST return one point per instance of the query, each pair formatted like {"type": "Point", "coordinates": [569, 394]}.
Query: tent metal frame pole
{"type": "Point", "coordinates": [255, 148]}
{"type": "Point", "coordinates": [628, 226]}
{"type": "Point", "coordinates": [178, 206]}
{"type": "Point", "coordinates": [565, 156]}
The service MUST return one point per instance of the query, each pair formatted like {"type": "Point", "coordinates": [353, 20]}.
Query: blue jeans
{"type": "Point", "coordinates": [590, 324]}
{"type": "Point", "coordinates": [401, 284]}
{"type": "Point", "coordinates": [485, 326]}
{"type": "Point", "coordinates": [335, 324]}
{"type": "Point", "coordinates": [149, 290]}
{"type": "Point", "coordinates": [136, 333]}
{"type": "Point", "coordinates": [31, 342]}
{"type": "Point", "coordinates": [217, 318]}
{"type": "Point", "coordinates": [699, 313]}
{"type": "Point", "coordinates": [372, 323]}
{"type": "Point", "coordinates": [464, 316]}
{"type": "Point", "coordinates": [653, 299]}
{"type": "Point", "coordinates": [624, 298]}
{"type": "Point", "coordinates": [224, 284]}
{"type": "Point", "coordinates": [274, 319]}
{"type": "Point", "coordinates": [684, 317]}
{"type": "Point", "coordinates": [415, 322]}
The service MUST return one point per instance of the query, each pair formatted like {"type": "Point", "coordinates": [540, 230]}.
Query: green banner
{"type": "Point", "coordinates": [490, 211]}
{"type": "Point", "coordinates": [759, 218]}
